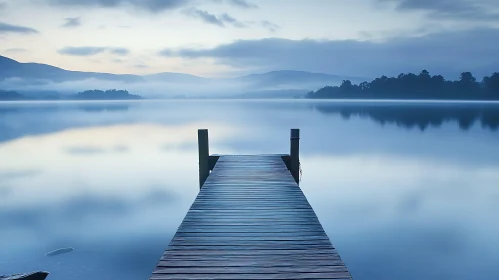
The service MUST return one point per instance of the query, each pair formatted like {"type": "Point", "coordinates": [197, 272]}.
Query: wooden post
{"type": "Point", "coordinates": [203, 149]}
{"type": "Point", "coordinates": [295, 154]}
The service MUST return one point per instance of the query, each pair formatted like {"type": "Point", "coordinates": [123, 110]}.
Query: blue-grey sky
{"type": "Point", "coordinates": [212, 38]}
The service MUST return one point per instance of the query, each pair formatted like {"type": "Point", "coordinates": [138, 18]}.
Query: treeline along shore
{"type": "Point", "coordinates": [111, 94]}
{"type": "Point", "coordinates": [412, 86]}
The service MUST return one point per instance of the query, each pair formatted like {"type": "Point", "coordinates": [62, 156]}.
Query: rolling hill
{"type": "Point", "coordinates": [34, 74]}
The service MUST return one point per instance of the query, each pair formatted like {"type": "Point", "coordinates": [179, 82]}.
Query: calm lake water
{"type": "Point", "coordinates": [404, 191]}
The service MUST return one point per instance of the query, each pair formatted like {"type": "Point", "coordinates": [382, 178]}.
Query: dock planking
{"type": "Point", "coordinates": [250, 220]}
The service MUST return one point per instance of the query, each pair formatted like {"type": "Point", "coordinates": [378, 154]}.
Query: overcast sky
{"type": "Point", "coordinates": [212, 38]}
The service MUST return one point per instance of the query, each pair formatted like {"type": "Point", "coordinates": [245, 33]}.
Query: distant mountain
{"type": "Point", "coordinates": [85, 95]}
{"type": "Point", "coordinates": [10, 95]}
{"type": "Point", "coordinates": [175, 77]}
{"type": "Point", "coordinates": [285, 79]}
{"type": "Point", "coordinates": [273, 94]}
{"type": "Point", "coordinates": [43, 94]}
{"type": "Point", "coordinates": [10, 68]}
{"type": "Point", "coordinates": [36, 76]}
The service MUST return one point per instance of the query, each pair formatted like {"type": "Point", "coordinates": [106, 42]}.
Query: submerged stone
{"type": "Point", "coordinates": [59, 252]}
{"type": "Point", "coordinates": [40, 275]}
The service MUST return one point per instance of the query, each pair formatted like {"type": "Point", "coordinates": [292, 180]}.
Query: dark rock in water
{"type": "Point", "coordinates": [59, 251]}
{"type": "Point", "coordinates": [40, 275]}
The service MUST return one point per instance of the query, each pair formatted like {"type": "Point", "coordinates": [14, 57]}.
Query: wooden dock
{"type": "Point", "coordinates": [250, 220]}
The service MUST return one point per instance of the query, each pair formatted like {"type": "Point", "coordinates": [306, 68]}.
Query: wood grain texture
{"type": "Point", "coordinates": [250, 221]}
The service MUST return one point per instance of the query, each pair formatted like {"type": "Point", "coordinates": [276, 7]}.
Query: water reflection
{"type": "Point", "coordinates": [88, 150]}
{"type": "Point", "coordinates": [115, 184]}
{"type": "Point", "coordinates": [99, 190]}
{"type": "Point", "coordinates": [97, 107]}
{"type": "Point", "coordinates": [415, 212]}
{"type": "Point", "coordinates": [422, 115]}
{"type": "Point", "coordinates": [35, 118]}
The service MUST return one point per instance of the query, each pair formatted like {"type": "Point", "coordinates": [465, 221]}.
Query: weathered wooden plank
{"type": "Point", "coordinates": [222, 276]}
{"type": "Point", "coordinates": [243, 248]}
{"type": "Point", "coordinates": [262, 230]}
{"type": "Point", "coordinates": [233, 260]}
{"type": "Point", "coordinates": [224, 218]}
{"type": "Point", "coordinates": [262, 212]}
{"type": "Point", "coordinates": [229, 239]}
{"type": "Point", "coordinates": [244, 235]}
{"type": "Point", "coordinates": [259, 212]}
{"type": "Point", "coordinates": [268, 224]}
{"type": "Point", "coordinates": [294, 224]}
{"type": "Point", "coordinates": [253, 269]}
{"type": "Point", "coordinates": [250, 262]}
{"type": "Point", "coordinates": [284, 214]}
{"type": "Point", "coordinates": [250, 221]}
{"type": "Point", "coordinates": [256, 217]}
{"type": "Point", "coordinates": [253, 253]}
{"type": "Point", "coordinates": [252, 244]}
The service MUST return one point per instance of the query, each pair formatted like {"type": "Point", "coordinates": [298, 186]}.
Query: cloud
{"type": "Point", "coordinates": [141, 66]}
{"type": "Point", "coordinates": [3, 5]}
{"type": "Point", "coordinates": [220, 20]}
{"type": "Point", "coordinates": [148, 5]}
{"type": "Point", "coordinates": [72, 22]}
{"type": "Point", "coordinates": [223, 20]}
{"type": "Point", "coordinates": [9, 28]}
{"type": "Point", "coordinates": [85, 150]}
{"type": "Point", "coordinates": [204, 16]}
{"type": "Point", "coordinates": [16, 50]}
{"type": "Point", "coordinates": [243, 4]}
{"type": "Point", "coordinates": [119, 51]}
{"type": "Point", "coordinates": [89, 51]}
{"type": "Point", "coordinates": [82, 51]}
{"type": "Point", "coordinates": [272, 27]}
{"type": "Point", "coordinates": [5, 175]}
{"type": "Point", "coordinates": [455, 9]}
{"type": "Point", "coordinates": [228, 19]}
{"type": "Point", "coordinates": [171, 52]}
{"type": "Point", "coordinates": [446, 52]}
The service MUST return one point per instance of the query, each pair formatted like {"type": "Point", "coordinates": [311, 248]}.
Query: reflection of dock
{"type": "Point", "coordinates": [250, 220]}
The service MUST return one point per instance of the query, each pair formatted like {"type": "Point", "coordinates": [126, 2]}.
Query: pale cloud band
{"type": "Point", "coordinates": [90, 51]}
{"type": "Point", "coordinates": [451, 9]}
{"type": "Point", "coordinates": [10, 28]}
{"type": "Point", "coordinates": [448, 53]}
{"type": "Point", "coordinates": [243, 4]}
{"type": "Point", "coordinates": [221, 20]}
{"type": "Point", "coordinates": [72, 22]}
{"type": "Point", "coordinates": [149, 5]}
